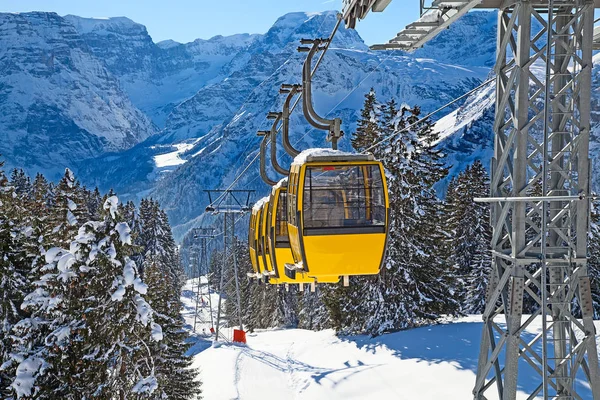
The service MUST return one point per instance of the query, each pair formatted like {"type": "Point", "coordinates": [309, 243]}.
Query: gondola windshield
{"type": "Point", "coordinates": [344, 197]}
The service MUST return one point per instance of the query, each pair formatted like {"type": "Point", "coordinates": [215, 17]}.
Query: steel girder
{"type": "Point", "coordinates": [540, 246]}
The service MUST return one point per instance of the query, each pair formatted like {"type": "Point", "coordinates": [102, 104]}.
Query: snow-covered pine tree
{"type": "Point", "coordinates": [15, 263]}
{"type": "Point", "coordinates": [266, 309]}
{"type": "Point", "coordinates": [93, 203]}
{"type": "Point", "coordinates": [176, 378]}
{"type": "Point", "coordinates": [171, 252]}
{"type": "Point", "coordinates": [471, 235]}
{"type": "Point", "coordinates": [367, 126]}
{"type": "Point", "coordinates": [20, 182]}
{"type": "Point", "coordinates": [69, 210]}
{"type": "Point", "coordinates": [163, 275]}
{"type": "Point", "coordinates": [90, 327]}
{"type": "Point", "coordinates": [416, 284]}
{"type": "Point", "coordinates": [312, 312]}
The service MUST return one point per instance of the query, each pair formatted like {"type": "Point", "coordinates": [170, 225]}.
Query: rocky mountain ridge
{"type": "Point", "coordinates": [58, 102]}
{"type": "Point", "coordinates": [209, 97]}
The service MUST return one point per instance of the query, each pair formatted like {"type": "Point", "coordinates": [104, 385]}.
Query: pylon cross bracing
{"type": "Point", "coordinates": [200, 238]}
{"type": "Point", "coordinates": [230, 203]}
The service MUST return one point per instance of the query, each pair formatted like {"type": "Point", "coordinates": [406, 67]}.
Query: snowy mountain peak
{"type": "Point", "coordinates": [291, 27]}
{"type": "Point", "coordinates": [168, 44]}
{"type": "Point", "coordinates": [105, 25]}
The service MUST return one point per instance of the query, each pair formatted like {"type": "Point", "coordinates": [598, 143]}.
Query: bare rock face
{"type": "Point", "coordinates": [58, 102]}
{"type": "Point", "coordinates": [87, 89]}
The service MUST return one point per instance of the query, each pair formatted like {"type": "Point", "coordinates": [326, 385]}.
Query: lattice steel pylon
{"type": "Point", "coordinates": [201, 236]}
{"type": "Point", "coordinates": [540, 187]}
{"type": "Point", "coordinates": [229, 203]}
{"type": "Point", "coordinates": [539, 243]}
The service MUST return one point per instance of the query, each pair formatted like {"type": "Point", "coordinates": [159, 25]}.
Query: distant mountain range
{"type": "Point", "coordinates": [169, 120]}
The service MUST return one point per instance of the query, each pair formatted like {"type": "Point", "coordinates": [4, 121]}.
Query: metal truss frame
{"type": "Point", "coordinates": [201, 237]}
{"type": "Point", "coordinates": [230, 203]}
{"type": "Point", "coordinates": [539, 247]}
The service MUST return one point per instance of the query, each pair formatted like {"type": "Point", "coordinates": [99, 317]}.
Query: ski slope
{"type": "Point", "coordinates": [437, 362]}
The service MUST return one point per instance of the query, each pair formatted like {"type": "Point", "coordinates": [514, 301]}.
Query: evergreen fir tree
{"type": "Point", "coordinates": [367, 129]}
{"type": "Point", "coordinates": [20, 182]}
{"type": "Point", "coordinates": [471, 236]}
{"type": "Point", "coordinates": [163, 274]}
{"type": "Point", "coordinates": [176, 378]}
{"type": "Point", "coordinates": [14, 269]}
{"type": "Point", "coordinates": [69, 210]}
{"type": "Point", "coordinates": [90, 326]}
{"type": "Point", "coordinates": [312, 312]}
{"type": "Point", "coordinates": [416, 284]}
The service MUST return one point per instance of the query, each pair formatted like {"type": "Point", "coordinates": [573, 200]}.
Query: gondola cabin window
{"type": "Point", "coordinates": [281, 230]}
{"type": "Point", "coordinates": [346, 197]}
{"type": "Point", "coordinates": [292, 191]}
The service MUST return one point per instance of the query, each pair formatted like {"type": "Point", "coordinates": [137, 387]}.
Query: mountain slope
{"type": "Point", "coordinates": [58, 103]}
{"type": "Point", "coordinates": [429, 363]}
{"type": "Point", "coordinates": [157, 77]}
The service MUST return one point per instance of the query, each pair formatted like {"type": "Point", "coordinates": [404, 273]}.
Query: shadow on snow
{"type": "Point", "coordinates": [457, 344]}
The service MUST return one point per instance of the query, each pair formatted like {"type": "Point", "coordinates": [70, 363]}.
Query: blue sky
{"type": "Point", "coordinates": [186, 20]}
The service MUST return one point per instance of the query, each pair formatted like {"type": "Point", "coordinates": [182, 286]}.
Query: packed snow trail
{"type": "Point", "coordinates": [437, 362]}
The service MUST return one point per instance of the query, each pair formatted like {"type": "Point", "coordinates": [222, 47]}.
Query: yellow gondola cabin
{"type": "Point", "coordinates": [338, 212]}
{"type": "Point", "coordinates": [279, 242]}
{"type": "Point", "coordinates": [254, 240]}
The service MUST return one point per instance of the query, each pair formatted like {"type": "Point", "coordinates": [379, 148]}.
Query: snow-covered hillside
{"type": "Point", "coordinates": [158, 77]}
{"type": "Point", "coordinates": [58, 102]}
{"type": "Point", "coordinates": [210, 135]}
{"type": "Point", "coordinates": [430, 363]}
{"type": "Point", "coordinates": [349, 70]}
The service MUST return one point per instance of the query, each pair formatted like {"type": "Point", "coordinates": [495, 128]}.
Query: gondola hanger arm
{"type": "Point", "coordinates": [263, 150]}
{"type": "Point", "coordinates": [276, 116]}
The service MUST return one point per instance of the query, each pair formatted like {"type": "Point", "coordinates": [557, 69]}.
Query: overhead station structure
{"type": "Point", "coordinates": [540, 190]}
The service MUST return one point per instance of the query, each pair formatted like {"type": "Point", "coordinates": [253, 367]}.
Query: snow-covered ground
{"type": "Point", "coordinates": [437, 362]}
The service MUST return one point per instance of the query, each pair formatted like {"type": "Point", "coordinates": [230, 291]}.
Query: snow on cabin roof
{"type": "Point", "coordinates": [282, 182]}
{"type": "Point", "coordinates": [257, 206]}
{"type": "Point", "coordinates": [329, 155]}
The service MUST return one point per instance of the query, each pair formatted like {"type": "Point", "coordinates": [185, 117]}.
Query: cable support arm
{"type": "Point", "coordinates": [307, 106]}
{"type": "Point", "coordinates": [263, 151]}
{"type": "Point", "coordinates": [331, 125]}
{"type": "Point", "coordinates": [291, 90]}
{"type": "Point", "coordinates": [277, 117]}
